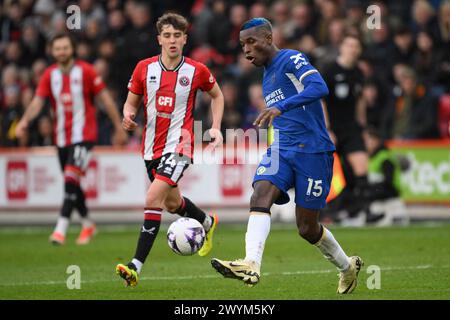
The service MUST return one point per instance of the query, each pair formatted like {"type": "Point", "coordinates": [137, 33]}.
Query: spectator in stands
{"type": "Point", "coordinates": [117, 26]}
{"type": "Point", "coordinates": [426, 59]}
{"type": "Point", "coordinates": [403, 49]}
{"type": "Point", "coordinates": [302, 17]}
{"type": "Point", "coordinates": [258, 9]}
{"type": "Point", "coordinates": [231, 117]}
{"type": "Point", "coordinates": [14, 54]}
{"type": "Point", "coordinates": [414, 115]}
{"type": "Point", "coordinates": [140, 42]}
{"type": "Point", "coordinates": [91, 11]}
{"type": "Point", "coordinates": [329, 11]}
{"type": "Point", "coordinates": [328, 53]}
{"type": "Point", "coordinates": [10, 116]}
{"type": "Point", "coordinates": [280, 13]}
{"type": "Point", "coordinates": [238, 15]}
{"type": "Point", "coordinates": [32, 42]}
{"type": "Point", "coordinates": [369, 107]}
{"type": "Point", "coordinates": [219, 27]}
{"type": "Point", "coordinates": [11, 82]}
{"type": "Point", "coordinates": [44, 134]}
{"type": "Point", "coordinates": [10, 24]}
{"type": "Point", "coordinates": [423, 16]}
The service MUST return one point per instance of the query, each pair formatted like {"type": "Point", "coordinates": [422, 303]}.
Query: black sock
{"type": "Point", "coordinates": [149, 231]}
{"type": "Point", "coordinates": [81, 203]}
{"type": "Point", "coordinates": [70, 199]}
{"type": "Point", "coordinates": [190, 210]}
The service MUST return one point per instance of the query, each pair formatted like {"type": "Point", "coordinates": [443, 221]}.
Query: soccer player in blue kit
{"type": "Point", "coordinates": [301, 156]}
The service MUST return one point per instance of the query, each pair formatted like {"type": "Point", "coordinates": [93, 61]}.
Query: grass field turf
{"type": "Point", "coordinates": [414, 262]}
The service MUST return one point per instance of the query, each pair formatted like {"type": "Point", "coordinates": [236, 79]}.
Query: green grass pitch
{"type": "Point", "coordinates": [414, 263]}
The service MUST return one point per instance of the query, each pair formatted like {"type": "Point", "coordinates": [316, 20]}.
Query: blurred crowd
{"type": "Point", "coordinates": [405, 61]}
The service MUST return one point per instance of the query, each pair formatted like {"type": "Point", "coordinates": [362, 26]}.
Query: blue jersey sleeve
{"type": "Point", "coordinates": [306, 79]}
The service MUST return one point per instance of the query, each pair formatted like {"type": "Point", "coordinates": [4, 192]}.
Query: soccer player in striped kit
{"type": "Point", "coordinates": [71, 85]}
{"type": "Point", "coordinates": [168, 84]}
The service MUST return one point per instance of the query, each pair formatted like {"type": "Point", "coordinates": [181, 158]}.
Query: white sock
{"type": "Point", "coordinates": [86, 222]}
{"type": "Point", "coordinates": [207, 223]}
{"type": "Point", "coordinates": [332, 251]}
{"type": "Point", "coordinates": [138, 265]}
{"type": "Point", "coordinates": [61, 225]}
{"type": "Point", "coordinates": [258, 229]}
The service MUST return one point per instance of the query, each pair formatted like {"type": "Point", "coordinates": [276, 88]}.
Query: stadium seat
{"type": "Point", "coordinates": [444, 116]}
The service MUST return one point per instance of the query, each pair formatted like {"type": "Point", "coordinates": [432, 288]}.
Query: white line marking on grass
{"type": "Point", "coordinates": [192, 277]}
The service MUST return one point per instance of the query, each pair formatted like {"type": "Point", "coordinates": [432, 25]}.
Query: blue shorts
{"type": "Point", "coordinates": [309, 173]}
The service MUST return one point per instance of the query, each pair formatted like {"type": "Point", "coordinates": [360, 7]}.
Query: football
{"type": "Point", "coordinates": [185, 236]}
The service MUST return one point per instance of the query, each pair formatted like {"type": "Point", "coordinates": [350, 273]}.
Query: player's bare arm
{"type": "Point", "coordinates": [217, 106]}
{"type": "Point", "coordinates": [120, 136]}
{"type": "Point", "coordinates": [31, 112]}
{"type": "Point", "coordinates": [130, 109]}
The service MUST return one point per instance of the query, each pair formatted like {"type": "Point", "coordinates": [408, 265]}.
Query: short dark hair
{"type": "Point", "coordinates": [262, 23]}
{"type": "Point", "coordinates": [177, 21]}
{"type": "Point", "coordinates": [355, 36]}
{"type": "Point", "coordinates": [62, 36]}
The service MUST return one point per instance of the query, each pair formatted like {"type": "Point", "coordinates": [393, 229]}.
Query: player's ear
{"type": "Point", "coordinates": [269, 38]}
{"type": "Point", "coordinates": [185, 38]}
{"type": "Point", "coordinates": [159, 39]}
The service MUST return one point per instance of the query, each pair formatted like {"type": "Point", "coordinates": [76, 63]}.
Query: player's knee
{"type": "Point", "coordinates": [153, 200]}
{"type": "Point", "coordinates": [70, 191]}
{"type": "Point", "coordinates": [259, 199]}
{"type": "Point", "coordinates": [172, 205]}
{"type": "Point", "coordinates": [308, 232]}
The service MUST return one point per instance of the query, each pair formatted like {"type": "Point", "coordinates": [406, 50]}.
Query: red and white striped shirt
{"type": "Point", "coordinates": [71, 95]}
{"type": "Point", "coordinates": [169, 99]}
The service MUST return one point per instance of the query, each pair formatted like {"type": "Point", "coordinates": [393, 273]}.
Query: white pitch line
{"type": "Point", "coordinates": [192, 277]}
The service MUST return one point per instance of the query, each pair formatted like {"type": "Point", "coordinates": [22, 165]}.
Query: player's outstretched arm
{"type": "Point", "coordinates": [120, 136]}
{"type": "Point", "coordinates": [34, 108]}
{"type": "Point", "coordinates": [130, 109]}
{"type": "Point", "coordinates": [315, 88]}
{"type": "Point", "coordinates": [217, 106]}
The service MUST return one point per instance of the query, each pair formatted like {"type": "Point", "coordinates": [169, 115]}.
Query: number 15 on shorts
{"type": "Point", "coordinates": [314, 188]}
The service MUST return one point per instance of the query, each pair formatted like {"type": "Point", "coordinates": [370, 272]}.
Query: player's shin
{"type": "Point", "coordinates": [82, 209]}
{"type": "Point", "coordinates": [149, 231]}
{"type": "Point", "coordinates": [258, 229]}
{"type": "Point", "coordinates": [69, 203]}
{"type": "Point", "coordinates": [332, 251]}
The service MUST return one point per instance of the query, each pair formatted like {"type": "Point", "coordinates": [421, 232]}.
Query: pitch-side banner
{"type": "Point", "coordinates": [32, 179]}
{"type": "Point", "coordinates": [427, 179]}
{"type": "Point", "coordinates": [116, 180]}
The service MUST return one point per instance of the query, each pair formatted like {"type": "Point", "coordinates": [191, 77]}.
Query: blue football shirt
{"type": "Point", "coordinates": [294, 86]}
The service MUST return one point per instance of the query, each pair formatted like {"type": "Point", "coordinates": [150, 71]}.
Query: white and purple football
{"type": "Point", "coordinates": [185, 236]}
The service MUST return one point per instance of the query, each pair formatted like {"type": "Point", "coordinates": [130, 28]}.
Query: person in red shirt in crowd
{"type": "Point", "coordinates": [168, 84]}
{"type": "Point", "coordinates": [71, 85]}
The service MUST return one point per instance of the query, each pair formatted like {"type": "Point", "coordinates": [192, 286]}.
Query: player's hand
{"type": "Point", "coordinates": [267, 115]}
{"type": "Point", "coordinates": [127, 122]}
{"type": "Point", "coordinates": [21, 128]}
{"type": "Point", "coordinates": [120, 137]}
{"type": "Point", "coordinates": [216, 136]}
